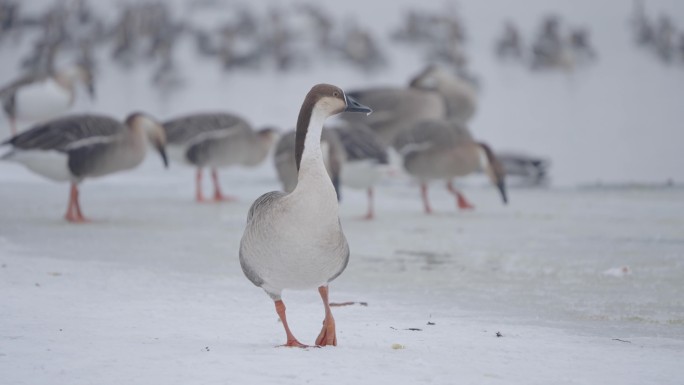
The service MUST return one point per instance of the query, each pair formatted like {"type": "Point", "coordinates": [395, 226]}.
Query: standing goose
{"type": "Point", "coordinates": [43, 97]}
{"type": "Point", "coordinates": [433, 94]}
{"type": "Point", "coordinates": [76, 147]}
{"type": "Point", "coordinates": [286, 164]}
{"type": "Point", "coordinates": [440, 149]}
{"type": "Point", "coordinates": [295, 240]}
{"type": "Point", "coordinates": [216, 140]}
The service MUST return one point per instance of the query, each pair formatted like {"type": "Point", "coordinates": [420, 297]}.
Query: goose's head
{"type": "Point", "coordinates": [331, 100]}
{"type": "Point", "coordinates": [78, 73]}
{"type": "Point", "coordinates": [267, 135]}
{"type": "Point", "coordinates": [322, 101]}
{"type": "Point", "coordinates": [153, 131]}
{"type": "Point", "coordinates": [430, 78]}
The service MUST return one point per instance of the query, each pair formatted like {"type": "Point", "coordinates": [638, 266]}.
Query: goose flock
{"type": "Point", "coordinates": [293, 238]}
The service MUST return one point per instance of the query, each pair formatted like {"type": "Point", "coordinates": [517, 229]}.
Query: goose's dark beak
{"type": "Point", "coordinates": [502, 189]}
{"type": "Point", "coordinates": [354, 106]}
{"type": "Point", "coordinates": [162, 152]}
{"type": "Point", "coordinates": [91, 90]}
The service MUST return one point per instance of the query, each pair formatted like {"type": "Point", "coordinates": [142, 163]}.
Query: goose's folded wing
{"type": "Point", "coordinates": [186, 129]}
{"type": "Point", "coordinates": [61, 134]}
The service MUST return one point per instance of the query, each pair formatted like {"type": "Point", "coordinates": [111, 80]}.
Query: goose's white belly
{"type": "Point", "coordinates": [301, 249]}
{"type": "Point", "coordinates": [42, 100]}
{"type": "Point", "coordinates": [50, 164]}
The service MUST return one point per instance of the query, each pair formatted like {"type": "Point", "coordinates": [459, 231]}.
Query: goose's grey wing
{"type": "Point", "coordinates": [186, 129]}
{"type": "Point", "coordinates": [63, 133]}
{"type": "Point", "coordinates": [260, 205]}
{"type": "Point", "coordinates": [89, 158]}
{"type": "Point", "coordinates": [431, 134]}
{"type": "Point", "coordinates": [263, 203]}
{"type": "Point", "coordinates": [361, 143]}
{"type": "Point", "coordinates": [210, 144]}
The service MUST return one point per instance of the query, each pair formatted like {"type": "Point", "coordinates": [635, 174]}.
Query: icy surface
{"type": "Point", "coordinates": [151, 292]}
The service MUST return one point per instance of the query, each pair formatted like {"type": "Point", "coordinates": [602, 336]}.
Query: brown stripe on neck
{"type": "Point", "coordinates": [303, 125]}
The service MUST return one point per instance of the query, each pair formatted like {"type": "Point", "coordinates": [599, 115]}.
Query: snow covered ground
{"type": "Point", "coordinates": [584, 284]}
{"type": "Point", "coordinates": [152, 291]}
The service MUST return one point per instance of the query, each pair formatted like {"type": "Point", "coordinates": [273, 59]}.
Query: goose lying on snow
{"type": "Point", "coordinates": [295, 240]}
{"type": "Point", "coordinates": [216, 140]}
{"type": "Point", "coordinates": [77, 147]}
{"type": "Point", "coordinates": [440, 149]}
{"type": "Point", "coordinates": [43, 97]}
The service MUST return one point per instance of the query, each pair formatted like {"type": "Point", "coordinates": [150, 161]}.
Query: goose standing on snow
{"type": "Point", "coordinates": [216, 140]}
{"type": "Point", "coordinates": [76, 147]}
{"type": "Point", "coordinates": [365, 160]}
{"type": "Point", "coordinates": [295, 240]}
{"type": "Point", "coordinates": [43, 97]}
{"type": "Point", "coordinates": [439, 149]}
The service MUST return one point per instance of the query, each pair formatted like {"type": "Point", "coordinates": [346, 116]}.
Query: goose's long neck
{"type": "Point", "coordinates": [311, 162]}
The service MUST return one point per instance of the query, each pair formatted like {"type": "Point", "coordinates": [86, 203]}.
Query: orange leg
{"type": "Point", "coordinates": [218, 195]}
{"type": "Point", "coordinates": [371, 212]}
{"type": "Point", "coordinates": [74, 213]}
{"type": "Point", "coordinates": [291, 340]}
{"type": "Point", "coordinates": [424, 194]}
{"type": "Point", "coordinates": [461, 200]}
{"type": "Point", "coordinates": [327, 335]}
{"type": "Point", "coordinates": [199, 197]}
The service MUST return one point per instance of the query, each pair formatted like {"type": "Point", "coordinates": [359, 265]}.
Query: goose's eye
{"type": "Point", "coordinates": [336, 94]}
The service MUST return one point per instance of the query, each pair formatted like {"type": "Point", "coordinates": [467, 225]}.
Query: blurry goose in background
{"type": "Point", "coordinates": [459, 95]}
{"type": "Point", "coordinates": [440, 149]}
{"type": "Point", "coordinates": [295, 240]}
{"type": "Point", "coordinates": [529, 170]}
{"type": "Point", "coordinates": [435, 93]}
{"type": "Point", "coordinates": [286, 164]}
{"type": "Point", "coordinates": [365, 160]}
{"type": "Point", "coordinates": [216, 140]}
{"type": "Point", "coordinates": [76, 147]}
{"type": "Point", "coordinates": [45, 96]}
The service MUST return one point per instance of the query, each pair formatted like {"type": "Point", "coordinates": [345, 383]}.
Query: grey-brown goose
{"type": "Point", "coordinates": [295, 240]}
{"type": "Point", "coordinates": [444, 150]}
{"type": "Point", "coordinates": [77, 147]}
{"type": "Point", "coordinates": [216, 140]}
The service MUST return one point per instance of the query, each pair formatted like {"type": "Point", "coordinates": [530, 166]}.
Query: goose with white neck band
{"type": "Point", "coordinates": [43, 97]}
{"type": "Point", "coordinates": [77, 147]}
{"type": "Point", "coordinates": [444, 150]}
{"type": "Point", "coordinates": [295, 240]}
